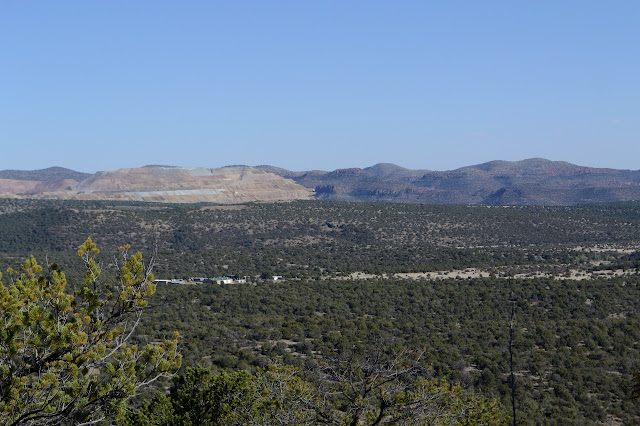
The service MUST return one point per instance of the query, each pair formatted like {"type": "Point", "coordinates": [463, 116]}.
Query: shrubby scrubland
{"type": "Point", "coordinates": [575, 342]}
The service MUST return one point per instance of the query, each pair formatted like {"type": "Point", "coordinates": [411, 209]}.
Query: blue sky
{"type": "Point", "coordinates": [318, 85]}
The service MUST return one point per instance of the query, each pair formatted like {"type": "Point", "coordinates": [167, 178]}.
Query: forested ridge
{"type": "Point", "coordinates": [575, 341]}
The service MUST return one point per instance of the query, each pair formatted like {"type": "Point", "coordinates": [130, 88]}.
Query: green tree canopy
{"type": "Point", "coordinates": [282, 395]}
{"type": "Point", "coordinates": [64, 355]}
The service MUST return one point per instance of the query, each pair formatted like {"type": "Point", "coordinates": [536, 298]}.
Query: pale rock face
{"type": "Point", "coordinates": [25, 187]}
{"type": "Point", "coordinates": [13, 186]}
{"type": "Point", "coordinates": [167, 184]}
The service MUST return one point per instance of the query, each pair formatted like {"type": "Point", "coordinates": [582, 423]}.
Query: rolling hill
{"type": "Point", "coordinates": [534, 181]}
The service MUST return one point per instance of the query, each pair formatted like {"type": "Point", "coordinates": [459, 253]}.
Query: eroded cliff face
{"type": "Point", "coordinates": [166, 184]}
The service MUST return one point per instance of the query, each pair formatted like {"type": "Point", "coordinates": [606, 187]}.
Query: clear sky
{"type": "Point", "coordinates": [101, 85]}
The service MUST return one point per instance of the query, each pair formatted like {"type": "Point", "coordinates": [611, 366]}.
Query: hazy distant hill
{"type": "Point", "coordinates": [388, 170]}
{"type": "Point", "coordinates": [535, 181]}
{"type": "Point", "coordinates": [532, 181]}
{"type": "Point", "coordinates": [51, 173]}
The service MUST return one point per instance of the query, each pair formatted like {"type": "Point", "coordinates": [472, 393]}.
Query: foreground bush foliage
{"type": "Point", "coordinates": [279, 395]}
{"type": "Point", "coordinates": [64, 353]}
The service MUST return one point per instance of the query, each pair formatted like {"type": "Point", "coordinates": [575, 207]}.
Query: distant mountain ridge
{"type": "Point", "coordinates": [532, 181]}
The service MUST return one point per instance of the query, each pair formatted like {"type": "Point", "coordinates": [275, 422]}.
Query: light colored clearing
{"type": "Point", "coordinates": [471, 273]}
{"type": "Point", "coordinates": [458, 273]}
{"type": "Point", "coordinates": [226, 207]}
{"type": "Point", "coordinates": [177, 192]}
{"type": "Point", "coordinates": [607, 248]}
{"type": "Point", "coordinates": [359, 276]}
{"type": "Point", "coordinates": [575, 275]}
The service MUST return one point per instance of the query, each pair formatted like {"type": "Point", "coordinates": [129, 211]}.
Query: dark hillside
{"type": "Point", "coordinates": [51, 173]}
{"type": "Point", "coordinates": [535, 181]}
